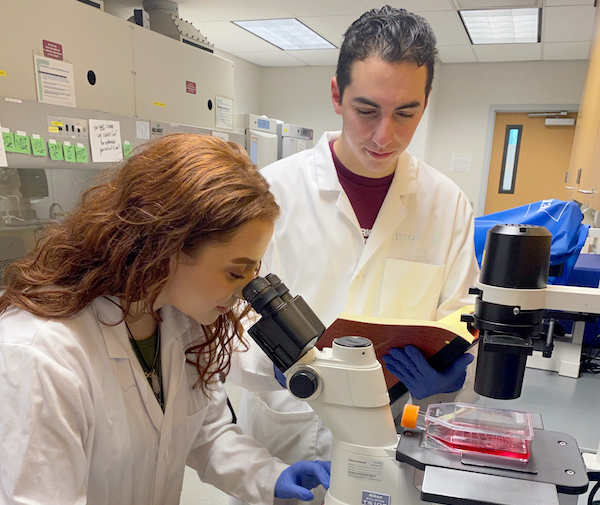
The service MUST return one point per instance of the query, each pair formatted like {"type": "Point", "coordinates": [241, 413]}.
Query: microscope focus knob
{"type": "Point", "coordinates": [304, 383]}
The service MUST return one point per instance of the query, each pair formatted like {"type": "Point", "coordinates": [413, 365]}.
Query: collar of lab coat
{"type": "Point", "coordinates": [117, 341]}
{"type": "Point", "coordinates": [405, 176]}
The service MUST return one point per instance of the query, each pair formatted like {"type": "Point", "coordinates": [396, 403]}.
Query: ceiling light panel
{"type": "Point", "coordinates": [502, 26]}
{"type": "Point", "coordinates": [287, 34]}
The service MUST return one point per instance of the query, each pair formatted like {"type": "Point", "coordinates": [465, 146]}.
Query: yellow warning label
{"type": "Point", "coordinates": [159, 104]}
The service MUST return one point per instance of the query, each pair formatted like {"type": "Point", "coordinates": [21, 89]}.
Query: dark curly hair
{"type": "Point", "coordinates": [394, 35]}
{"type": "Point", "coordinates": [176, 193]}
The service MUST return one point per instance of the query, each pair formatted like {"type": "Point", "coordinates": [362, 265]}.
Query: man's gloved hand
{"type": "Point", "coordinates": [298, 479]}
{"type": "Point", "coordinates": [421, 379]}
{"type": "Point", "coordinates": [279, 376]}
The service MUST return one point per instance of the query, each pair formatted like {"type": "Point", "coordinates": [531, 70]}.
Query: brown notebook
{"type": "Point", "coordinates": [441, 342]}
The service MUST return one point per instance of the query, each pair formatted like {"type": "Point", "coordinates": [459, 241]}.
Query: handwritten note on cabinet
{"type": "Point", "coordinates": [105, 140]}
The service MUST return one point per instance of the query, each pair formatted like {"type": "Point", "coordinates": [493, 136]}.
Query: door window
{"type": "Point", "coordinates": [510, 158]}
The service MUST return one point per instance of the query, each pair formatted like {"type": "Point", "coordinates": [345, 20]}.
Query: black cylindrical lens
{"type": "Point", "coordinates": [280, 287]}
{"type": "Point", "coordinates": [516, 256]}
{"type": "Point", "coordinates": [499, 374]}
{"type": "Point", "coordinates": [260, 294]}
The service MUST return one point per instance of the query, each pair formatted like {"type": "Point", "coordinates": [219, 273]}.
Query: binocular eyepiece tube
{"type": "Point", "coordinates": [288, 328]}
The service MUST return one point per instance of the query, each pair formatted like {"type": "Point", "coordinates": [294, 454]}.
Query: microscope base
{"type": "Point", "coordinates": [369, 476]}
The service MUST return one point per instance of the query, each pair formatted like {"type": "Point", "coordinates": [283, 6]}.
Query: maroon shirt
{"type": "Point", "coordinates": [366, 195]}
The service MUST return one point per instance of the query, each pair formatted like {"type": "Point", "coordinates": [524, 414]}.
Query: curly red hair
{"type": "Point", "coordinates": [177, 193]}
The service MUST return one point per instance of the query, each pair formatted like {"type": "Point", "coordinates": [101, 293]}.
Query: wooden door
{"type": "Point", "coordinates": [541, 157]}
{"type": "Point", "coordinates": [584, 170]}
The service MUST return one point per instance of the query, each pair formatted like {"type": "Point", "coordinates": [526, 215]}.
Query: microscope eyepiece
{"type": "Point", "coordinates": [260, 293]}
{"type": "Point", "coordinates": [288, 327]}
{"type": "Point", "coordinates": [280, 287]}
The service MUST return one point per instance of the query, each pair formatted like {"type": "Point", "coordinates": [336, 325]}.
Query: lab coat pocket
{"type": "Point", "coordinates": [193, 425]}
{"type": "Point", "coordinates": [291, 436]}
{"type": "Point", "coordinates": [410, 290]}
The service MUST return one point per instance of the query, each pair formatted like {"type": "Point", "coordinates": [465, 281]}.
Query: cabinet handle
{"type": "Point", "coordinates": [569, 187]}
{"type": "Point", "coordinates": [586, 191]}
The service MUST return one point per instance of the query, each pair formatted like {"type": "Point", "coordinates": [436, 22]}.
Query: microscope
{"type": "Point", "coordinates": [374, 465]}
{"type": "Point", "coordinates": [345, 386]}
{"type": "Point", "coordinates": [513, 304]}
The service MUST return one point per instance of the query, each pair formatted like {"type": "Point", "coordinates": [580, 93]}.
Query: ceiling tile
{"type": "Point", "coordinates": [495, 4]}
{"type": "Point", "coordinates": [550, 3]}
{"type": "Point", "coordinates": [565, 50]}
{"type": "Point", "coordinates": [412, 5]}
{"type": "Point", "coordinates": [242, 10]}
{"type": "Point", "coordinates": [323, 7]}
{"type": "Point", "coordinates": [448, 27]}
{"type": "Point", "coordinates": [278, 58]}
{"type": "Point", "coordinates": [319, 57]}
{"type": "Point", "coordinates": [192, 10]}
{"type": "Point", "coordinates": [568, 24]}
{"type": "Point", "coordinates": [231, 38]}
{"type": "Point", "coordinates": [457, 54]}
{"type": "Point", "coordinates": [508, 52]}
{"type": "Point", "coordinates": [331, 28]}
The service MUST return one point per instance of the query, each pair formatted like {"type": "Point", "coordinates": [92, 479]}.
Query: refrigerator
{"type": "Point", "coordinates": [260, 133]}
{"type": "Point", "coordinates": [292, 139]}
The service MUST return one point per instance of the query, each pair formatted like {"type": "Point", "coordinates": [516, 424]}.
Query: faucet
{"type": "Point", "coordinates": [53, 215]}
{"type": "Point", "coordinates": [7, 216]}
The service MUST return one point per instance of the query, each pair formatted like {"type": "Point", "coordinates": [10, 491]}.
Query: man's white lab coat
{"type": "Point", "coordinates": [79, 423]}
{"type": "Point", "coordinates": [418, 263]}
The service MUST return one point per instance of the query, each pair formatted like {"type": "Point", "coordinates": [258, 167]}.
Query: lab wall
{"type": "Point", "coordinates": [469, 93]}
{"type": "Point", "coordinates": [246, 84]}
{"type": "Point", "coordinates": [457, 118]}
{"type": "Point", "coordinates": [300, 95]}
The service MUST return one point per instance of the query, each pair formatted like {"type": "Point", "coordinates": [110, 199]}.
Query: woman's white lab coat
{"type": "Point", "coordinates": [79, 423]}
{"type": "Point", "coordinates": [418, 263]}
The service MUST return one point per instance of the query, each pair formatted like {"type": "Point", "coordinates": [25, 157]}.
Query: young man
{"type": "Point", "coordinates": [365, 228]}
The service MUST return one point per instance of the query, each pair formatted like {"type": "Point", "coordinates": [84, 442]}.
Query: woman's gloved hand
{"type": "Point", "coordinates": [297, 480]}
{"type": "Point", "coordinates": [421, 379]}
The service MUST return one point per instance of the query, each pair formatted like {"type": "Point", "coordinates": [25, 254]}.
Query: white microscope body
{"type": "Point", "coordinates": [345, 386]}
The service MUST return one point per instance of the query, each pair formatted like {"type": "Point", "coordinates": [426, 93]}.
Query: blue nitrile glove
{"type": "Point", "coordinates": [421, 379]}
{"type": "Point", "coordinates": [298, 479]}
{"type": "Point", "coordinates": [279, 376]}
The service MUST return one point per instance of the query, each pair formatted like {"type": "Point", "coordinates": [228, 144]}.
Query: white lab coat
{"type": "Point", "coordinates": [79, 423]}
{"type": "Point", "coordinates": [418, 263]}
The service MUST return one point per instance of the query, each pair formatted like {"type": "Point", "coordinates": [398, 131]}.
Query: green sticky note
{"type": "Point", "coordinates": [56, 151]}
{"type": "Point", "coordinates": [22, 144]}
{"type": "Point", "coordinates": [81, 154]}
{"type": "Point", "coordinates": [9, 142]}
{"type": "Point", "coordinates": [127, 148]}
{"type": "Point", "coordinates": [69, 152]}
{"type": "Point", "coordinates": [38, 146]}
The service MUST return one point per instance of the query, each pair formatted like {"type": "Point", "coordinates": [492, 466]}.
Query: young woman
{"type": "Point", "coordinates": [115, 330]}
